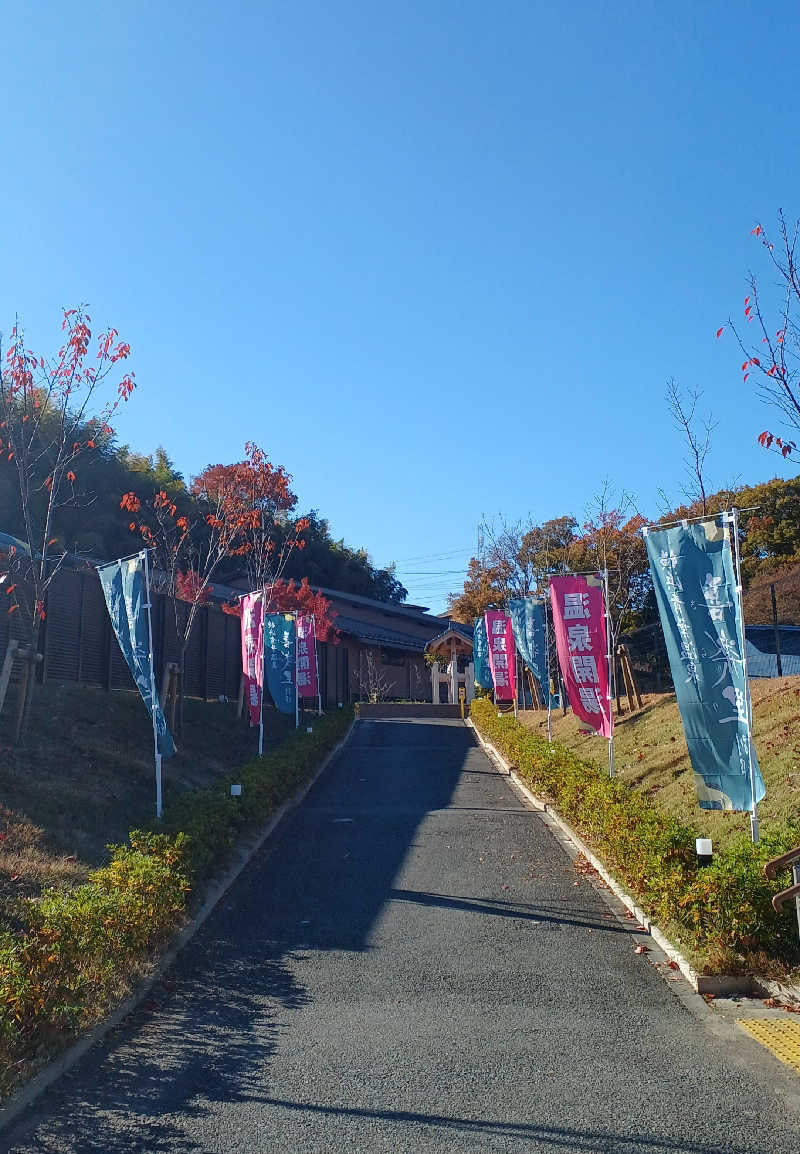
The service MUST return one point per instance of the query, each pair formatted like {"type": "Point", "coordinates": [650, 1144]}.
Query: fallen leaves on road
{"type": "Point", "coordinates": [642, 950]}
{"type": "Point", "coordinates": [775, 1004]}
{"type": "Point", "coordinates": [582, 865]}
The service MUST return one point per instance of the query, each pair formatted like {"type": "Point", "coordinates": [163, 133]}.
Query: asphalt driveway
{"type": "Point", "coordinates": [412, 964]}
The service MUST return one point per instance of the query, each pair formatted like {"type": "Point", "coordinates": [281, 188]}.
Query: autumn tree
{"type": "Point", "coordinates": [515, 562]}
{"type": "Point", "coordinates": [484, 588]}
{"type": "Point", "coordinates": [612, 542]}
{"type": "Point", "coordinates": [52, 418]}
{"type": "Point", "coordinates": [771, 347]}
{"type": "Point", "coordinates": [234, 513]}
{"type": "Point", "coordinates": [299, 597]}
{"type": "Point", "coordinates": [547, 549]}
{"type": "Point", "coordinates": [769, 522]}
{"type": "Point", "coordinates": [290, 596]}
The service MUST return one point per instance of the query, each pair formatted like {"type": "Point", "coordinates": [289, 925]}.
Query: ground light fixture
{"type": "Point", "coordinates": [704, 851]}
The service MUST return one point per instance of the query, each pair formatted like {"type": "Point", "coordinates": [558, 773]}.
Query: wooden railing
{"type": "Point", "coordinates": [777, 865]}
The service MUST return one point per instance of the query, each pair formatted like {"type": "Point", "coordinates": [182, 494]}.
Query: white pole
{"type": "Point", "coordinates": [149, 608]}
{"type": "Point", "coordinates": [316, 664]}
{"type": "Point", "coordinates": [610, 669]}
{"type": "Point", "coordinates": [546, 688]}
{"type": "Point", "coordinates": [734, 518]}
{"type": "Point", "coordinates": [517, 675]}
{"type": "Point", "coordinates": [263, 673]}
{"type": "Point", "coordinates": [296, 690]}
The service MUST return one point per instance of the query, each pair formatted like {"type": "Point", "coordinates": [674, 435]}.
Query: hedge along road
{"type": "Point", "coordinates": [409, 965]}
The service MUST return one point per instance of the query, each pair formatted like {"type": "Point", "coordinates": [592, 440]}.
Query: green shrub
{"type": "Point", "coordinates": [73, 952]}
{"type": "Point", "coordinates": [722, 912]}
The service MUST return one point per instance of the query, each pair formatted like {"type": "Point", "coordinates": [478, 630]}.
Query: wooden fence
{"type": "Point", "coordinates": [78, 643]}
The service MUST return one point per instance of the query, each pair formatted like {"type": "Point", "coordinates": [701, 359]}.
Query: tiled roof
{"type": "Point", "coordinates": [379, 634]}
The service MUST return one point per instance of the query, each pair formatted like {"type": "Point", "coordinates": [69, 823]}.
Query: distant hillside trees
{"type": "Point", "coordinates": [519, 558]}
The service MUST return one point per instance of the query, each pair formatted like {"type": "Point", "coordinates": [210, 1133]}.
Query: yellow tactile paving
{"type": "Point", "coordinates": [779, 1036]}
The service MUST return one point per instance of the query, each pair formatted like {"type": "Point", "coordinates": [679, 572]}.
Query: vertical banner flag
{"type": "Point", "coordinates": [502, 655]}
{"type": "Point", "coordinates": [480, 655]}
{"type": "Point", "coordinates": [527, 620]}
{"type": "Point", "coordinates": [279, 654]}
{"type": "Point", "coordinates": [306, 657]}
{"type": "Point", "coordinates": [580, 627]}
{"type": "Point", "coordinates": [253, 652]}
{"type": "Point", "coordinates": [125, 591]}
{"type": "Point", "coordinates": [701, 614]}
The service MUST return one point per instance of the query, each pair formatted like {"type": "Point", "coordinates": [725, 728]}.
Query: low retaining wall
{"type": "Point", "coordinates": [390, 709]}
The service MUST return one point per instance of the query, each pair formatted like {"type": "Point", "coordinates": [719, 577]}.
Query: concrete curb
{"type": "Point", "coordinates": [240, 857]}
{"type": "Point", "coordinates": [720, 985]}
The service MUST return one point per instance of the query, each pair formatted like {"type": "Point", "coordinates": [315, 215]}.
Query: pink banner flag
{"type": "Point", "coordinates": [580, 627]}
{"type": "Point", "coordinates": [502, 654]}
{"type": "Point", "coordinates": [253, 652]}
{"type": "Point", "coordinates": [306, 657]}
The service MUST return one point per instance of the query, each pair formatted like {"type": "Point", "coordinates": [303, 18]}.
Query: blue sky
{"type": "Point", "coordinates": [438, 258]}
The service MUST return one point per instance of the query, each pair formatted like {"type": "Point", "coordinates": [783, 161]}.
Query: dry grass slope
{"type": "Point", "coordinates": [651, 755]}
{"type": "Point", "coordinates": [84, 777]}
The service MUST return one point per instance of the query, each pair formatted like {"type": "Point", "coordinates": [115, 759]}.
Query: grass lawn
{"type": "Point", "coordinates": [651, 755]}
{"type": "Point", "coordinates": [84, 776]}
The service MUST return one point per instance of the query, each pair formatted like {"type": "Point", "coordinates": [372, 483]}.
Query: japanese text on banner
{"type": "Point", "coordinates": [307, 680]}
{"type": "Point", "coordinates": [502, 654]}
{"type": "Point", "coordinates": [253, 652]}
{"type": "Point", "coordinates": [580, 629]}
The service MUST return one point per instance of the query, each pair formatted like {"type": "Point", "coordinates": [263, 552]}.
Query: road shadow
{"type": "Point", "coordinates": [212, 1028]}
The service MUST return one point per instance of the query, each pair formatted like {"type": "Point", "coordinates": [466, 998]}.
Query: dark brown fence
{"type": "Point", "coordinates": [78, 643]}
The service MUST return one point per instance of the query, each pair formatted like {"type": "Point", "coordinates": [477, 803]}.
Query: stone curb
{"type": "Point", "coordinates": [720, 985]}
{"type": "Point", "coordinates": [241, 856]}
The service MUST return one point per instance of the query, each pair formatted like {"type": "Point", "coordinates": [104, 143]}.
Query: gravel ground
{"type": "Point", "coordinates": [412, 964]}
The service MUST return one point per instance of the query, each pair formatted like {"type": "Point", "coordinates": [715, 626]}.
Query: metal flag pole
{"type": "Point", "coordinates": [148, 606]}
{"type": "Point", "coordinates": [546, 687]}
{"type": "Point", "coordinates": [609, 659]}
{"type": "Point", "coordinates": [296, 687]}
{"type": "Point", "coordinates": [263, 673]}
{"type": "Point", "coordinates": [316, 664]}
{"type": "Point", "coordinates": [733, 518]}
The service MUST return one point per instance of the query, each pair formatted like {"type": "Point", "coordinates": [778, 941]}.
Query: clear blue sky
{"type": "Point", "coordinates": [383, 238]}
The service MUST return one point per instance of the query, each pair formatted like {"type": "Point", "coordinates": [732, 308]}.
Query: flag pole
{"type": "Point", "coordinates": [263, 675]}
{"type": "Point", "coordinates": [610, 668]}
{"type": "Point", "coordinates": [296, 687]}
{"type": "Point", "coordinates": [316, 664]}
{"type": "Point", "coordinates": [149, 608]}
{"type": "Point", "coordinates": [733, 518]}
{"type": "Point", "coordinates": [546, 687]}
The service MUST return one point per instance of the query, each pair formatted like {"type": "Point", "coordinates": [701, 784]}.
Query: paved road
{"type": "Point", "coordinates": [411, 966]}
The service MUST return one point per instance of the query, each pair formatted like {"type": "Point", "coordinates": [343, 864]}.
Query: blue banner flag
{"type": "Point", "coordinates": [701, 614]}
{"type": "Point", "coordinates": [126, 594]}
{"type": "Point", "coordinates": [527, 619]}
{"type": "Point", "coordinates": [279, 659]}
{"type": "Point", "coordinates": [480, 655]}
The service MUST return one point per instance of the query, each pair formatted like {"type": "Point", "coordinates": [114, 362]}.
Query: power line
{"type": "Point", "coordinates": [433, 556]}
{"type": "Point", "coordinates": [429, 572]}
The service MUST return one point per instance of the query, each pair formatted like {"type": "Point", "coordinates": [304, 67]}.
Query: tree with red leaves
{"type": "Point", "coordinates": [48, 423]}
{"type": "Point", "coordinates": [772, 354]}
{"type": "Point", "coordinates": [239, 510]}
{"type": "Point", "coordinates": [297, 597]}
